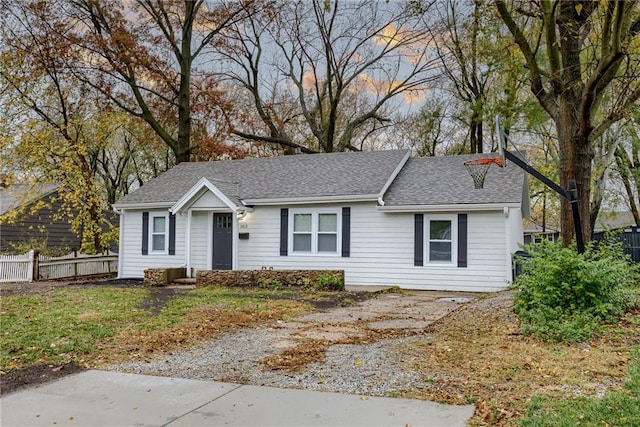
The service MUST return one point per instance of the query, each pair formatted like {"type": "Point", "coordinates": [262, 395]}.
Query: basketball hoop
{"type": "Point", "coordinates": [478, 168]}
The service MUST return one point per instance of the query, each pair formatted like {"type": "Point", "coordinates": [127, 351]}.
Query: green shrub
{"type": "Point", "coordinates": [270, 283]}
{"type": "Point", "coordinates": [329, 282]}
{"type": "Point", "coordinates": [566, 296]}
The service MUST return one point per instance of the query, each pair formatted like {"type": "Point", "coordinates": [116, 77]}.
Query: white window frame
{"type": "Point", "coordinates": [454, 239]}
{"type": "Point", "coordinates": [315, 215]}
{"type": "Point", "coordinates": [152, 216]}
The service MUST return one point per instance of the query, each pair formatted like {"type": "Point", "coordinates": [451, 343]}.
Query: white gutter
{"type": "Point", "coordinates": [313, 199]}
{"type": "Point", "coordinates": [449, 208]}
{"type": "Point", "coordinates": [150, 205]}
{"type": "Point", "coordinates": [392, 177]}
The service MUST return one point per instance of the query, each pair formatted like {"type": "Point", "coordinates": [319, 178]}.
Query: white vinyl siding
{"type": "Point", "coordinates": [208, 200]}
{"type": "Point", "coordinates": [382, 250]}
{"type": "Point", "coordinates": [199, 240]}
{"type": "Point", "coordinates": [132, 261]}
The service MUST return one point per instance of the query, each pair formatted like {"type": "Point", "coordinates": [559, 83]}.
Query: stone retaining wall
{"type": "Point", "coordinates": [162, 276]}
{"type": "Point", "coordinates": [260, 277]}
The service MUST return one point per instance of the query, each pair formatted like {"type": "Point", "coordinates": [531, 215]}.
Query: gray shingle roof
{"type": "Point", "coordinates": [422, 181]}
{"type": "Point", "coordinates": [17, 195]}
{"type": "Point", "coordinates": [300, 176]}
{"type": "Point", "coordinates": [445, 180]}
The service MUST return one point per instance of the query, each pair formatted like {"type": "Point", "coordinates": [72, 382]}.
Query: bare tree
{"type": "Point", "coordinates": [143, 56]}
{"type": "Point", "coordinates": [324, 76]}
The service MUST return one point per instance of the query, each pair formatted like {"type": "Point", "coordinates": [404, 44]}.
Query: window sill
{"type": "Point", "coordinates": [314, 255]}
{"type": "Point", "coordinates": [442, 265]}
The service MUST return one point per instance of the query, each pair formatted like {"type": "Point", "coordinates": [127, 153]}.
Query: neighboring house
{"type": "Point", "coordinates": [382, 217]}
{"type": "Point", "coordinates": [623, 224]}
{"type": "Point", "coordinates": [34, 226]}
{"type": "Point", "coordinates": [618, 221]}
{"type": "Point", "coordinates": [534, 234]}
{"type": "Point", "coordinates": [37, 223]}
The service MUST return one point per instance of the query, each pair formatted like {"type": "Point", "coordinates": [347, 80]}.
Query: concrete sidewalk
{"type": "Point", "coordinates": [101, 398]}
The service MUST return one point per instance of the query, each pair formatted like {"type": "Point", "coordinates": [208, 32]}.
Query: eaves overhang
{"type": "Point", "coordinates": [458, 207]}
{"type": "Point", "coordinates": [119, 207]}
{"type": "Point", "coordinates": [310, 200]}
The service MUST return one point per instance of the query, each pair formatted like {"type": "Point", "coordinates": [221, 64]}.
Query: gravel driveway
{"type": "Point", "coordinates": [347, 349]}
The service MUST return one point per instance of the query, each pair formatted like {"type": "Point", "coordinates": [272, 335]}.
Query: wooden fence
{"type": "Point", "coordinates": [630, 238]}
{"type": "Point", "coordinates": [32, 266]}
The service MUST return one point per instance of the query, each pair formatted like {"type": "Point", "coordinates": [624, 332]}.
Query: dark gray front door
{"type": "Point", "coordinates": [222, 241]}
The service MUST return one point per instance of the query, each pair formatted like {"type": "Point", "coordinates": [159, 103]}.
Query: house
{"type": "Point", "coordinates": [37, 223]}
{"type": "Point", "coordinates": [624, 227]}
{"type": "Point", "coordinates": [383, 217]}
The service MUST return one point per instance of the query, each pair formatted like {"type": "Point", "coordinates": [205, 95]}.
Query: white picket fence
{"type": "Point", "coordinates": [32, 266]}
{"type": "Point", "coordinates": [17, 268]}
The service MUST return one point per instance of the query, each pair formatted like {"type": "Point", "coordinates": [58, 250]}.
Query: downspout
{"type": "Point", "coordinates": [187, 244]}
{"type": "Point", "coordinates": [120, 240]}
{"type": "Point", "coordinates": [507, 245]}
{"type": "Point", "coordinates": [392, 177]}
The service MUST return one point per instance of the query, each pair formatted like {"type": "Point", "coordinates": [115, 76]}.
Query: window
{"type": "Point", "coordinates": [440, 238]}
{"type": "Point", "coordinates": [302, 232]}
{"type": "Point", "coordinates": [327, 232]}
{"type": "Point", "coordinates": [159, 231]}
{"type": "Point", "coordinates": [315, 232]}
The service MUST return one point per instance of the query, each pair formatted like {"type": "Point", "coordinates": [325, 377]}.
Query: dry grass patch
{"type": "Point", "coordinates": [311, 350]}
{"type": "Point", "coordinates": [478, 356]}
{"type": "Point", "coordinates": [139, 342]}
{"type": "Point", "coordinates": [295, 359]}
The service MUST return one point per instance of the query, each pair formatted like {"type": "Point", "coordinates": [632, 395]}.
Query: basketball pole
{"type": "Point", "coordinates": [571, 195]}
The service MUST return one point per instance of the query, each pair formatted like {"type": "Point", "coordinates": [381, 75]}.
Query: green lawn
{"type": "Point", "coordinates": [615, 408]}
{"type": "Point", "coordinates": [69, 325]}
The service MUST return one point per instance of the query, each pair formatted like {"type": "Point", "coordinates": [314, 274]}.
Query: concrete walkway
{"type": "Point", "coordinates": [100, 398]}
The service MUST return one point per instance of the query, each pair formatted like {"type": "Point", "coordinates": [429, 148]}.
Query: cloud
{"type": "Point", "coordinates": [389, 36]}
{"type": "Point", "coordinates": [378, 87]}
{"type": "Point", "coordinates": [308, 81]}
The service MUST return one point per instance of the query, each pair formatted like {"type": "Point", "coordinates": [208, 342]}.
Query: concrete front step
{"type": "Point", "coordinates": [185, 281]}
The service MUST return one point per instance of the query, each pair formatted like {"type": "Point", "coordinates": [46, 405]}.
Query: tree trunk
{"type": "Point", "coordinates": [183, 146]}
{"type": "Point", "coordinates": [473, 141]}
{"type": "Point", "coordinates": [575, 163]}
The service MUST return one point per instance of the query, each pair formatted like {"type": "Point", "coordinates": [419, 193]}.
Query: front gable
{"type": "Point", "coordinates": [208, 200]}
{"type": "Point", "coordinates": [203, 195]}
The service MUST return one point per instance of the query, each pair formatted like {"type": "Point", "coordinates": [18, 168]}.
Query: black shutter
{"type": "Point", "coordinates": [462, 240]}
{"type": "Point", "coordinates": [172, 234]}
{"type": "Point", "coordinates": [418, 238]}
{"type": "Point", "coordinates": [145, 233]}
{"type": "Point", "coordinates": [284, 231]}
{"type": "Point", "coordinates": [346, 232]}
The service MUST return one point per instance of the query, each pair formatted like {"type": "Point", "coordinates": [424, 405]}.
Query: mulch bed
{"type": "Point", "coordinates": [19, 379]}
